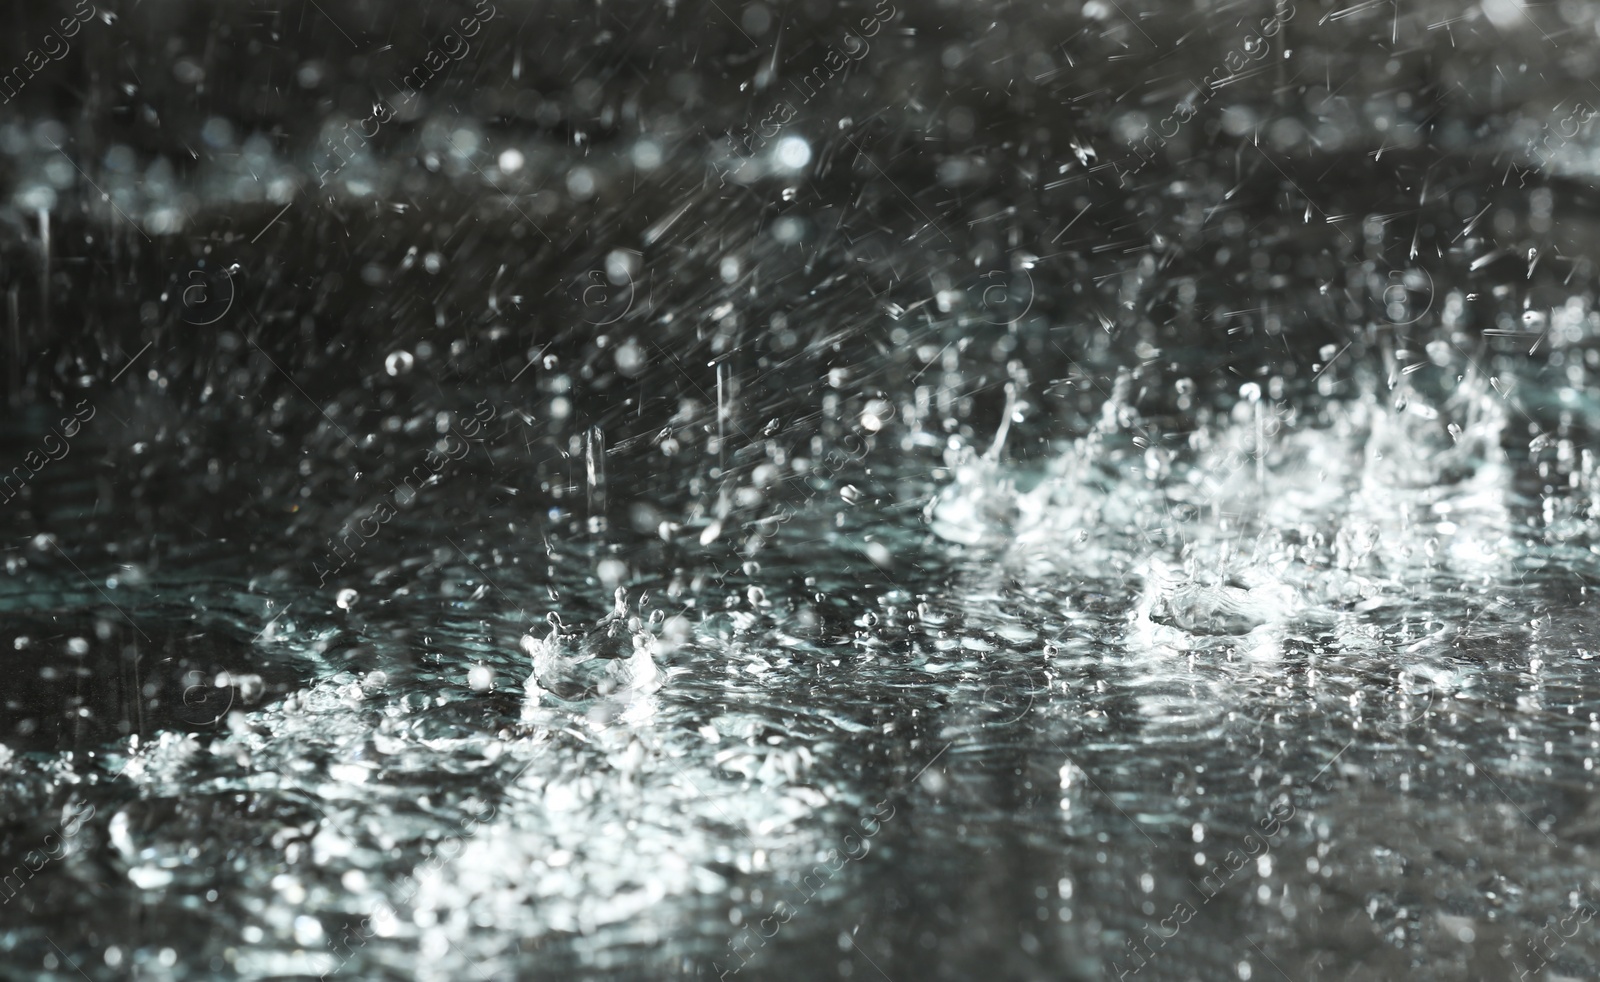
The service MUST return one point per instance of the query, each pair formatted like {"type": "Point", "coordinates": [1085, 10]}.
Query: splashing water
{"type": "Point", "coordinates": [687, 491]}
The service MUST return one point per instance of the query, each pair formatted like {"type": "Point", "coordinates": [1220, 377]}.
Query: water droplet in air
{"type": "Point", "coordinates": [347, 598]}
{"type": "Point", "coordinates": [398, 362]}
{"type": "Point", "coordinates": [793, 153]}
{"type": "Point", "coordinates": [481, 678]}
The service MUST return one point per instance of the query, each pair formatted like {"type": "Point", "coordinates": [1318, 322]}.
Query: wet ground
{"type": "Point", "coordinates": [636, 491]}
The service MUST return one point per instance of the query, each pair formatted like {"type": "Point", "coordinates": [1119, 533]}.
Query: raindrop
{"type": "Point", "coordinates": [398, 362]}
{"type": "Point", "coordinates": [480, 678]}
{"type": "Point", "coordinates": [793, 153]}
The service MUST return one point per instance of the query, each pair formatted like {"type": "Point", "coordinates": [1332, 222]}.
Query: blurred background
{"type": "Point", "coordinates": [527, 490]}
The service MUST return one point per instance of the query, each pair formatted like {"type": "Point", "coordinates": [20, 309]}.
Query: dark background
{"type": "Point", "coordinates": [973, 218]}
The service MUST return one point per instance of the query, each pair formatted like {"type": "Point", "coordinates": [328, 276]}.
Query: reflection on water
{"type": "Point", "coordinates": [971, 538]}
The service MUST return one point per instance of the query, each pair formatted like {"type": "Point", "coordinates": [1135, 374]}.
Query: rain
{"type": "Point", "coordinates": [799, 489]}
